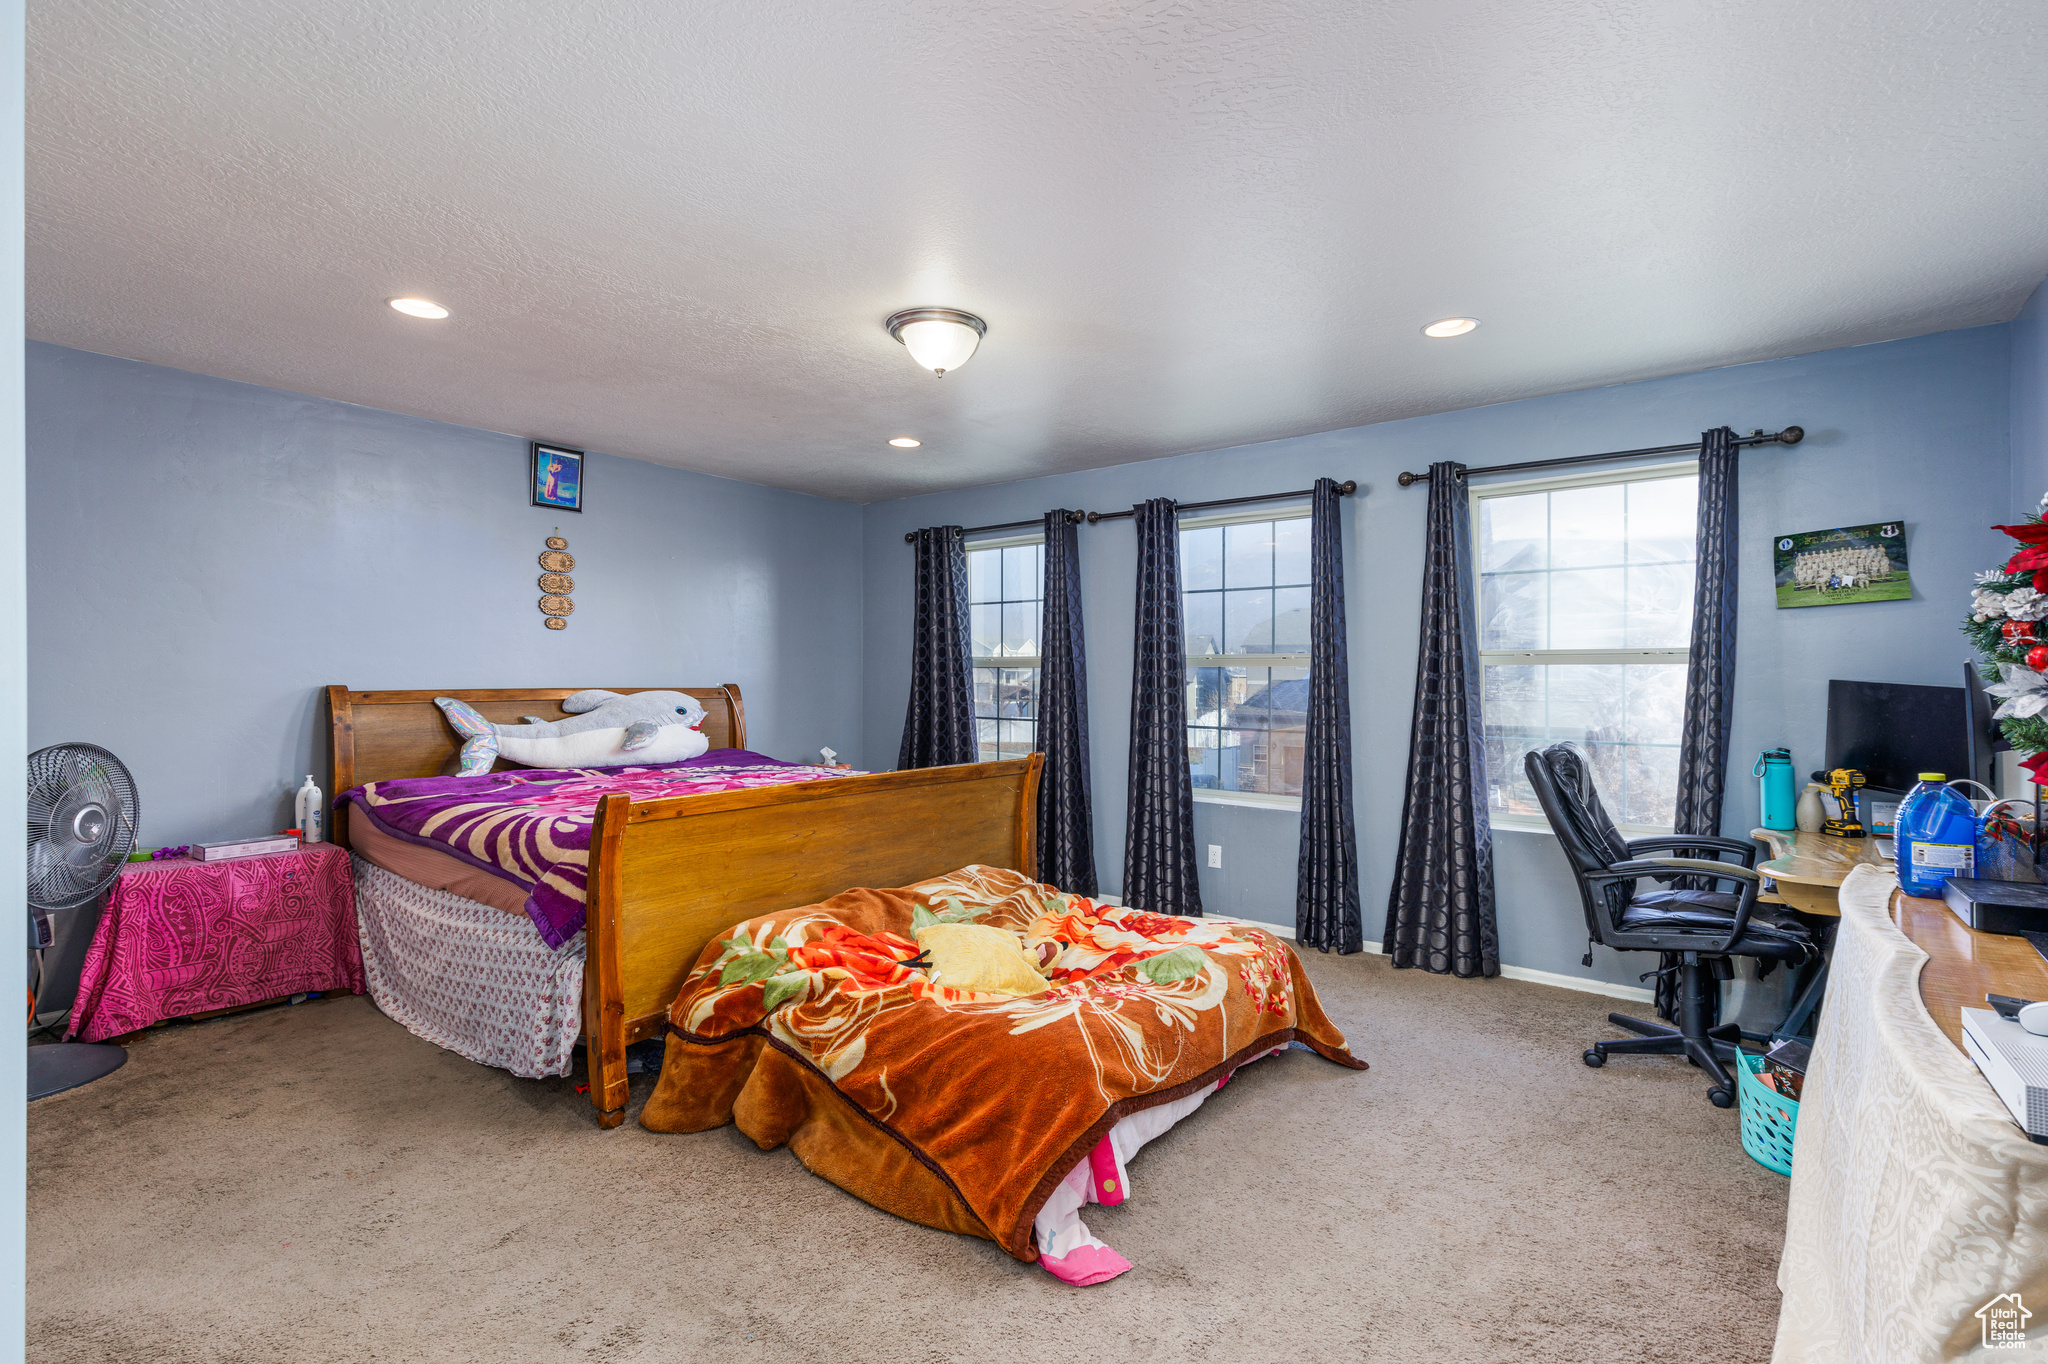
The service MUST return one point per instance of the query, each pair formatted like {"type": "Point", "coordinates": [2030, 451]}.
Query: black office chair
{"type": "Point", "coordinates": [1703, 927]}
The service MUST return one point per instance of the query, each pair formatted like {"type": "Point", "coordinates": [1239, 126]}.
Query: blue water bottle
{"type": "Point", "coordinates": [1936, 833]}
{"type": "Point", "coordinates": [1777, 799]}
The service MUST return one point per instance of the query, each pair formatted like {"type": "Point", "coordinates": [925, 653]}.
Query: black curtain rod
{"type": "Point", "coordinates": [910, 536]}
{"type": "Point", "coordinates": [1349, 485]}
{"type": "Point", "coordinates": [1791, 435]}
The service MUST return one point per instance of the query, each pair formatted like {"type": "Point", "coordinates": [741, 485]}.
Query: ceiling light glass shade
{"type": "Point", "coordinates": [904, 443]}
{"type": "Point", "coordinates": [939, 339]}
{"type": "Point", "coordinates": [1450, 326]}
{"type": "Point", "coordinates": [419, 307]}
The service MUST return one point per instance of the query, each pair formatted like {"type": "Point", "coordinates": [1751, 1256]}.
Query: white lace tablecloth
{"type": "Point", "coordinates": [1916, 1200]}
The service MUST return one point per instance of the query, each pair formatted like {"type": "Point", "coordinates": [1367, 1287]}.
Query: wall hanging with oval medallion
{"type": "Point", "coordinates": [556, 583]}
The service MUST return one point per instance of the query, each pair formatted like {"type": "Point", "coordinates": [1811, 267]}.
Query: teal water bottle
{"type": "Point", "coordinates": [1777, 798]}
{"type": "Point", "coordinates": [1936, 833]}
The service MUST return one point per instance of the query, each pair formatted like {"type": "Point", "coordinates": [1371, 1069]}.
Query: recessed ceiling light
{"type": "Point", "coordinates": [939, 339]}
{"type": "Point", "coordinates": [419, 307]}
{"type": "Point", "coordinates": [905, 443]}
{"type": "Point", "coordinates": [1450, 326]}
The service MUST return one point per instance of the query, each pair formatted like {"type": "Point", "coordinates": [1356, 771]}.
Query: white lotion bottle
{"type": "Point", "coordinates": [311, 812]}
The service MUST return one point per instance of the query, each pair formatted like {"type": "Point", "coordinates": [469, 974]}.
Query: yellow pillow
{"type": "Point", "coordinates": [979, 957]}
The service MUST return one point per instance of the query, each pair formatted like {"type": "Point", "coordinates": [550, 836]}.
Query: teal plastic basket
{"type": "Point", "coordinates": [1768, 1117]}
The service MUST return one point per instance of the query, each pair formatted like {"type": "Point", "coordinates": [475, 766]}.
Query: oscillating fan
{"type": "Point", "coordinates": [82, 810]}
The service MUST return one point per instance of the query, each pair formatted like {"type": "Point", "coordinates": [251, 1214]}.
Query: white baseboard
{"type": "Point", "coordinates": [1584, 984]}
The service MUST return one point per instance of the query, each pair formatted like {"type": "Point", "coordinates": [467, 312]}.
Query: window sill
{"type": "Point", "coordinates": [1257, 799]}
{"type": "Point", "coordinates": [1532, 824]}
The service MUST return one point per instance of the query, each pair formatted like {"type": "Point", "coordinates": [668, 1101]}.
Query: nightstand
{"type": "Point", "coordinates": [183, 937]}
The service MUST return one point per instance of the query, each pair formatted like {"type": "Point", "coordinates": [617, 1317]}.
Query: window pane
{"type": "Point", "coordinates": [1016, 738]}
{"type": "Point", "coordinates": [1020, 573]}
{"type": "Point", "coordinates": [985, 740]}
{"type": "Point", "coordinates": [1205, 696]}
{"type": "Point", "coordinates": [1248, 621]}
{"type": "Point", "coordinates": [1290, 620]}
{"type": "Point", "coordinates": [1248, 555]}
{"type": "Point", "coordinates": [1626, 717]}
{"type": "Point", "coordinates": [1201, 558]}
{"type": "Point", "coordinates": [1656, 706]}
{"type": "Point", "coordinates": [1289, 702]}
{"type": "Point", "coordinates": [1019, 696]}
{"type": "Point", "coordinates": [1248, 709]}
{"type": "Point", "coordinates": [1201, 618]}
{"type": "Point", "coordinates": [1020, 628]}
{"type": "Point", "coordinates": [985, 684]}
{"type": "Point", "coordinates": [1514, 610]}
{"type": "Point", "coordinates": [1663, 517]}
{"type": "Point", "coordinates": [1514, 533]}
{"type": "Point", "coordinates": [987, 630]}
{"type": "Point", "coordinates": [1586, 609]}
{"type": "Point", "coordinates": [1587, 526]}
{"type": "Point", "coordinates": [984, 574]}
{"type": "Point", "coordinates": [1204, 758]}
{"type": "Point", "coordinates": [1290, 552]}
{"type": "Point", "coordinates": [1659, 606]}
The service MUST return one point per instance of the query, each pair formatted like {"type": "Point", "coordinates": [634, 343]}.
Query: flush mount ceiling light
{"type": "Point", "coordinates": [939, 339]}
{"type": "Point", "coordinates": [1450, 326]}
{"type": "Point", "coordinates": [419, 307]}
{"type": "Point", "coordinates": [905, 443]}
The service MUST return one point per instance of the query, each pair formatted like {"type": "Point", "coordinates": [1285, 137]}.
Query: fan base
{"type": "Point", "coordinates": [59, 1066]}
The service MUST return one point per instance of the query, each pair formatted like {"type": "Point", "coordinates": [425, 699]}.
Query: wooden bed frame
{"type": "Point", "coordinates": [667, 876]}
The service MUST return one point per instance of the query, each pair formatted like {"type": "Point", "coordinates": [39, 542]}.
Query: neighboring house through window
{"type": "Point", "coordinates": [1245, 609]}
{"type": "Point", "coordinates": [1585, 616]}
{"type": "Point", "coordinates": [1005, 586]}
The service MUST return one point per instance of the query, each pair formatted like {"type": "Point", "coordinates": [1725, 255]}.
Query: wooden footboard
{"type": "Point", "coordinates": [667, 876]}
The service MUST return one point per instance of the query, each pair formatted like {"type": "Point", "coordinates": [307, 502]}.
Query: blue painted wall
{"type": "Point", "coordinates": [206, 556]}
{"type": "Point", "coordinates": [1913, 429]}
{"type": "Point", "coordinates": [2030, 402]}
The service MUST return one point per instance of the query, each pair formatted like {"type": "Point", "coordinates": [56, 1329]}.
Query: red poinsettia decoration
{"type": "Point", "coordinates": [2034, 557]}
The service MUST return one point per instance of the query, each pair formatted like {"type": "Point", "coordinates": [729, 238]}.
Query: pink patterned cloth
{"type": "Point", "coordinates": [187, 937]}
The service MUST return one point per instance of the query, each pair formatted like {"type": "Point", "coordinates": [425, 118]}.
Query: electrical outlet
{"type": "Point", "coordinates": [1215, 854]}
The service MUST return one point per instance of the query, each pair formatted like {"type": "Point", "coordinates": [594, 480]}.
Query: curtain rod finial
{"type": "Point", "coordinates": [1792, 435]}
{"type": "Point", "coordinates": [1094, 518]}
{"type": "Point", "coordinates": [1408, 480]}
{"type": "Point", "coordinates": [1078, 517]}
{"type": "Point", "coordinates": [1348, 486]}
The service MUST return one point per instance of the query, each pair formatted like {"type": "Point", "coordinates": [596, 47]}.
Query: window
{"type": "Point", "coordinates": [1245, 608]}
{"type": "Point", "coordinates": [1005, 586]}
{"type": "Point", "coordinates": [1585, 615]}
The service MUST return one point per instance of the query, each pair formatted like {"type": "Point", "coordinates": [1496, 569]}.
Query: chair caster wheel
{"type": "Point", "coordinates": [1720, 1097]}
{"type": "Point", "coordinates": [1594, 1057]}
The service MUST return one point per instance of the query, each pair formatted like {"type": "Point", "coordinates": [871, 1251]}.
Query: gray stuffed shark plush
{"type": "Point", "coordinates": [609, 730]}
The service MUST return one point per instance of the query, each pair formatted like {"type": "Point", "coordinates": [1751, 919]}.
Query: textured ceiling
{"type": "Point", "coordinates": [672, 231]}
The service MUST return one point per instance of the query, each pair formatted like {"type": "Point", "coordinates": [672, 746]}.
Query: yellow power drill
{"type": "Point", "coordinates": [1841, 795]}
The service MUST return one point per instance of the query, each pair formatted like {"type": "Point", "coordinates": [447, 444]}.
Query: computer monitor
{"type": "Point", "coordinates": [1891, 732]}
{"type": "Point", "coordinates": [1986, 737]}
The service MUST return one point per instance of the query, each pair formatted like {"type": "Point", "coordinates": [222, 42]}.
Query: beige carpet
{"type": "Point", "coordinates": [315, 1183]}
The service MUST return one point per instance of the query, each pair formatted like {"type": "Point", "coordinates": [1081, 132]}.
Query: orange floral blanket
{"type": "Point", "coordinates": [964, 1110]}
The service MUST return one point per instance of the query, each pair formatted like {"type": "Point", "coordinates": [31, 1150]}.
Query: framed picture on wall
{"type": "Point", "coordinates": [557, 478]}
{"type": "Point", "coordinates": [1843, 565]}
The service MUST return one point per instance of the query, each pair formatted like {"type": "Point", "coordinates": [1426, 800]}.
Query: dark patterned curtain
{"type": "Point", "coordinates": [1066, 817]}
{"type": "Point", "coordinates": [1326, 911]}
{"type": "Point", "coordinates": [1159, 837]}
{"type": "Point", "coordinates": [938, 728]}
{"type": "Point", "coordinates": [1710, 670]}
{"type": "Point", "coordinates": [1440, 914]}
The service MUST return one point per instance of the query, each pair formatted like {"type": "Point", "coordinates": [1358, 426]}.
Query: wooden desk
{"type": "Point", "coordinates": [1810, 868]}
{"type": "Point", "coordinates": [1964, 965]}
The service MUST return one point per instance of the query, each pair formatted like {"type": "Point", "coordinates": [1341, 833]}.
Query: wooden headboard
{"type": "Point", "coordinates": [382, 735]}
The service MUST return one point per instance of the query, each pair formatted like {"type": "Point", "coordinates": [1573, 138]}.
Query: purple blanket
{"type": "Point", "coordinates": [532, 825]}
